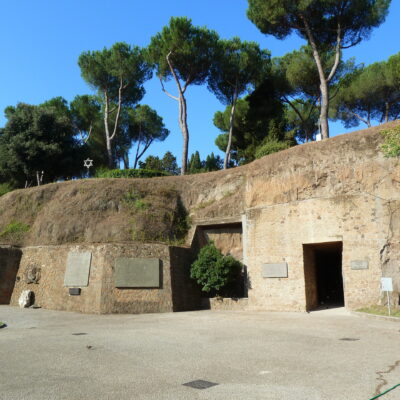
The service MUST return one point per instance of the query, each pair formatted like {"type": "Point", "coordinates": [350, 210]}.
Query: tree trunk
{"type": "Point", "coordinates": [109, 153]}
{"type": "Point", "coordinates": [126, 160]}
{"type": "Point", "coordinates": [324, 99]}
{"type": "Point", "coordinates": [137, 154]}
{"type": "Point", "coordinates": [231, 121]}
{"type": "Point", "coordinates": [182, 112]}
{"type": "Point", "coordinates": [185, 131]}
{"type": "Point", "coordinates": [366, 121]}
{"type": "Point", "coordinates": [322, 78]}
{"type": "Point", "coordinates": [369, 117]}
{"type": "Point", "coordinates": [323, 117]}
{"type": "Point", "coordinates": [107, 131]}
{"type": "Point", "coordinates": [110, 137]}
{"type": "Point", "coordinates": [387, 110]}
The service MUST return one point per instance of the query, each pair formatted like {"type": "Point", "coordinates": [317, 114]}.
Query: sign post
{"type": "Point", "coordinates": [387, 286]}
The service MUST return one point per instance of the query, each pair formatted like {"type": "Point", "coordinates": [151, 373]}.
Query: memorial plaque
{"type": "Point", "coordinates": [137, 272]}
{"type": "Point", "coordinates": [275, 270]}
{"type": "Point", "coordinates": [74, 291]}
{"type": "Point", "coordinates": [359, 264]}
{"type": "Point", "coordinates": [78, 268]}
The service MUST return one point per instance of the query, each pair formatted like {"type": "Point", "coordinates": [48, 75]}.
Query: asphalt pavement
{"type": "Point", "coordinates": [325, 355]}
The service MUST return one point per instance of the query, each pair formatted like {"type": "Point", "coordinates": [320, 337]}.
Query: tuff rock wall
{"type": "Point", "coordinates": [339, 190]}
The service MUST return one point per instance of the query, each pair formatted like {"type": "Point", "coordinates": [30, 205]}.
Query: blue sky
{"type": "Point", "coordinates": [42, 39]}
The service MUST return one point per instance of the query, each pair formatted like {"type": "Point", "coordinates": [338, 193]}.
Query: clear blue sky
{"type": "Point", "coordinates": [42, 39]}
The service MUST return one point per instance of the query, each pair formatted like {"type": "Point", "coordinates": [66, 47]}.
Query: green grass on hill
{"type": "Point", "coordinates": [380, 310]}
{"type": "Point", "coordinates": [14, 231]}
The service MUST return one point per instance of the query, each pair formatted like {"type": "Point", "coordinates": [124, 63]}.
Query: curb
{"type": "Point", "coordinates": [374, 316]}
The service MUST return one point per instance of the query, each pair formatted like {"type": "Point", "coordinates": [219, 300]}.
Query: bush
{"type": "Point", "coordinates": [391, 144]}
{"type": "Point", "coordinates": [214, 271]}
{"type": "Point", "coordinates": [271, 147]}
{"type": "Point", "coordinates": [129, 173]}
{"type": "Point", "coordinates": [5, 188]}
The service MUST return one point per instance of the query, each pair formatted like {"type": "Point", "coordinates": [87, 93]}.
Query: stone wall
{"type": "Point", "coordinates": [277, 234]}
{"type": "Point", "coordinates": [101, 295]}
{"type": "Point", "coordinates": [9, 264]}
{"type": "Point", "coordinates": [338, 190]}
{"type": "Point", "coordinates": [226, 304]}
{"type": "Point", "coordinates": [50, 292]}
{"type": "Point", "coordinates": [135, 300]}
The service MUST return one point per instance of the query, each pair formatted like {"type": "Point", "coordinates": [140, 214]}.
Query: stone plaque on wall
{"type": "Point", "coordinates": [275, 270]}
{"type": "Point", "coordinates": [137, 272]}
{"type": "Point", "coordinates": [78, 268]}
{"type": "Point", "coordinates": [359, 264]}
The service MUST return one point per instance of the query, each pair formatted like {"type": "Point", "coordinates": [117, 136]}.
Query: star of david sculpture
{"type": "Point", "coordinates": [87, 164]}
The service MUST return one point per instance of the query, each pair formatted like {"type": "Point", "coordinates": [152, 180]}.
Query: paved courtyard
{"type": "Point", "coordinates": [250, 355]}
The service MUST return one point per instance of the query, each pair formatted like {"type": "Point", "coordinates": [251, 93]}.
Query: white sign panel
{"type": "Point", "coordinates": [386, 285]}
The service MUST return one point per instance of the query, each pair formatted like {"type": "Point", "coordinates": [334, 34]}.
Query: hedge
{"type": "Point", "coordinates": [130, 173]}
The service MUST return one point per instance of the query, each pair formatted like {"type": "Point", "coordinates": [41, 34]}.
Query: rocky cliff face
{"type": "Point", "coordinates": [160, 209]}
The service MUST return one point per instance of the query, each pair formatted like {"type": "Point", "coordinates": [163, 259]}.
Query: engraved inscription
{"type": "Point", "coordinates": [137, 272]}
{"type": "Point", "coordinates": [78, 269]}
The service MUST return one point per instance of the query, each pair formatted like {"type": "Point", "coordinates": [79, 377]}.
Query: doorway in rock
{"type": "Point", "coordinates": [227, 238]}
{"type": "Point", "coordinates": [323, 275]}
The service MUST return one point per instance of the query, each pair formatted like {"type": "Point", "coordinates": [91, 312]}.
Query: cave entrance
{"type": "Point", "coordinates": [323, 275]}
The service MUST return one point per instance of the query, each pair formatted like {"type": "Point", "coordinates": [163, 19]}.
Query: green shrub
{"type": "Point", "coordinates": [14, 231]}
{"type": "Point", "coordinates": [271, 147]}
{"type": "Point", "coordinates": [129, 173]}
{"type": "Point", "coordinates": [5, 188]}
{"type": "Point", "coordinates": [391, 144]}
{"type": "Point", "coordinates": [214, 271]}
